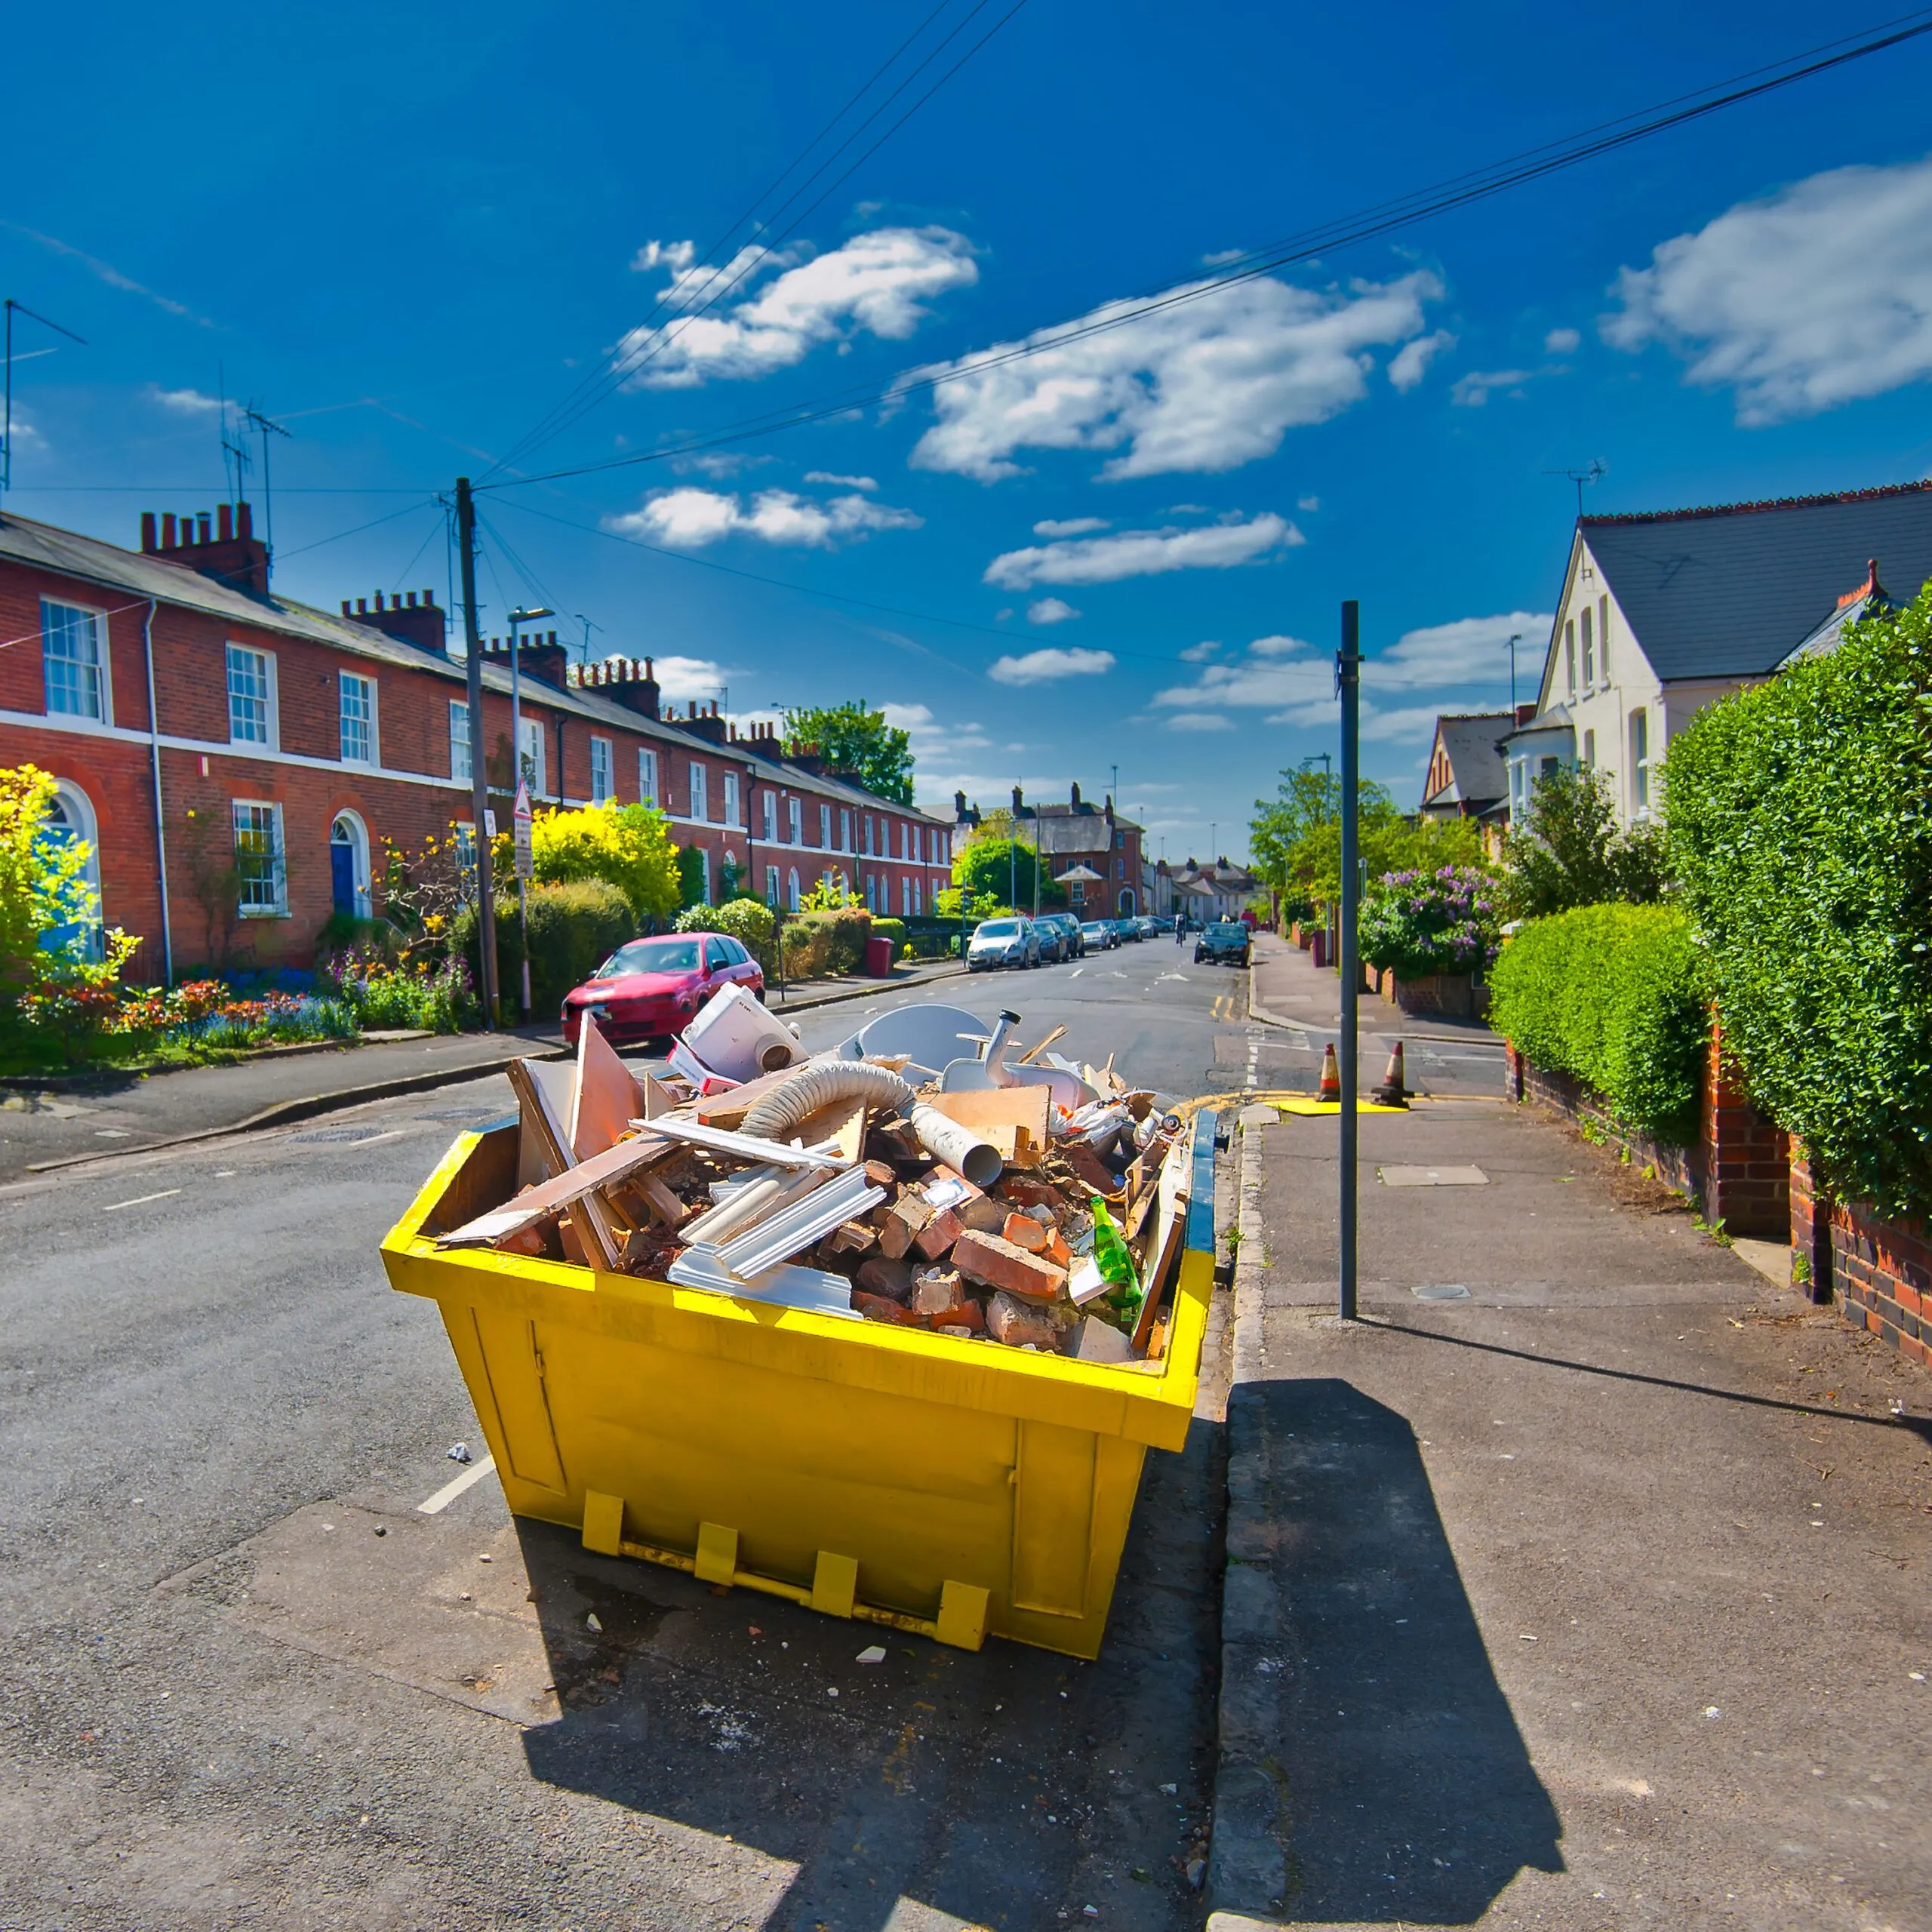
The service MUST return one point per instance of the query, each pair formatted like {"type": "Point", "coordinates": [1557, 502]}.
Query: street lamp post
{"type": "Point", "coordinates": [517, 617]}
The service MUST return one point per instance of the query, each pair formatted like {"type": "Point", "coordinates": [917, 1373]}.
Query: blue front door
{"type": "Point", "coordinates": [342, 875]}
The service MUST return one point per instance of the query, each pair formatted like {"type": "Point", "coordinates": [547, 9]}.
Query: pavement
{"type": "Point", "coordinates": [71, 1120]}
{"type": "Point", "coordinates": [227, 1701]}
{"type": "Point", "coordinates": [1583, 1582]}
{"type": "Point", "coordinates": [1287, 990]}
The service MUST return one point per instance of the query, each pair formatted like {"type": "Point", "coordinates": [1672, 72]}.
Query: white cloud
{"type": "Point", "coordinates": [1410, 363]}
{"type": "Point", "coordinates": [876, 284]}
{"type": "Point", "coordinates": [1070, 526]}
{"type": "Point", "coordinates": [689, 518]}
{"type": "Point", "coordinates": [1818, 295]}
{"type": "Point", "coordinates": [1049, 610]}
{"type": "Point", "coordinates": [1044, 667]}
{"type": "Point", "coordinates": [840, 482]}
{"type": "Point", "coordinates": [1473, 391]}
{"type": "Point", "coordinates": [1561, 342]}
{"type": "Point", "coordinates": [1200, 720]}
{"type": "Point", "coordinates": [25, 436]}
{"type": "Point", "coordinates": [1278, 646]}
{"type": "Point", "coordinates": [1221, 258]}
{"type": "Point", "coordinates": [1308, 502]}
{"type": "Point", "coordinates": [185, 402]}
{"type": "Point", "coordinates": [1207, 385]}
{"type": "Point", "coordinates": [684, 678]}
{"type": "Point", "coordinates": [1412, 722]}
{"type": "Point", "coordinates": [1142, 553]}
{"type": "Point", "coordinates": [1199, 654]}
{"type": "Point", "coordinates": [1471, 647]}
{"type": "Point", "coordinates": [676, 256]}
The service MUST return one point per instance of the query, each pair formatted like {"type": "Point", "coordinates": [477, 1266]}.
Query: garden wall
{"type": "Point", "coordinates": [1880, 1272]}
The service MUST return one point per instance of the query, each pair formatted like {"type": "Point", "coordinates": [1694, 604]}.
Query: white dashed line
{"type": "Point", "coordinates": [450, 1490]}
{"type": "Point", "coordinates": [139, 1200]}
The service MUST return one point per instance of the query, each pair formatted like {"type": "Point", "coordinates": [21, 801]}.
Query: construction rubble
{"type": "Point", "coordinates": [926, 1174]}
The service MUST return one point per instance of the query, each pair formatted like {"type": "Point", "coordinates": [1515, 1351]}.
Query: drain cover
{"type": "Point", "coordinates": [338, 1133]}
{"type": "Point", "coordinates": [1440, 1291]}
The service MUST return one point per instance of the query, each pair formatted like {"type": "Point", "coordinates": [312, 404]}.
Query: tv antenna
{"type": "Point", "coordinates": [254, 419]}
{"type": "Point", "coordinates": [588, 628]}
{"type": "Point", "coordinates": [6, 433]}
{"type": "Point", "coordinates": [1597, 468]}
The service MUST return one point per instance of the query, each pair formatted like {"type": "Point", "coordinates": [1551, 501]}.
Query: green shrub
{"type": "Point", "coordinates": [630, 846]}
{"type": "Point", "coordinates": [691, 876]}
{"type": "Point", "coordinates": [573, 928]}
{"type": "Point", "coordinates": [748, 920]}
{"type": "Point", "coordinates": [1615, 994]}
{"type": "Point", "coordinates": [816, 943]}
{"type": "Point", "coordinates": [1800, 828]}
{"type": "Point", "coordinates": [892, 929]}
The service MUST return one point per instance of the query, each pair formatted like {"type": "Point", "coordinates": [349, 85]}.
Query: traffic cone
{"type": "Point", "coordinates": [1331, 1076]}
{"type": "Point", "coordinates": [1392, 1093]}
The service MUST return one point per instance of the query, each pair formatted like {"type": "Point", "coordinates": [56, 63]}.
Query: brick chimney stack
{"type": "Point", "coordinates": [539, 656]}
{"type": "Point", "coordinates": [222, 546]}
{"type": "Point", "coordinates": [421, 624]}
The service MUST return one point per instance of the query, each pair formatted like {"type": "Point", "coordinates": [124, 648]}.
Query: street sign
{"type": "Point", "coordinates": [489, 823]}
{"type": "Point", "coordinates": [525, 861]}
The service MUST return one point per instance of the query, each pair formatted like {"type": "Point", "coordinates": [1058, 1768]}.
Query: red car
{"type": "Point", "coordinates": [652, 987]}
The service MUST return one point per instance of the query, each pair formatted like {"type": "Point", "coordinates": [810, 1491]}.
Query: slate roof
{"type": "Point", "coordinates": [1730, 591]}
{"type": "Point", "coordinates": [1477, 773]}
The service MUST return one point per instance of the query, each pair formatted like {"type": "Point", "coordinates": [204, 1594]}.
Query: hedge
{"type": "Point", "coordinates": [748, 920]}
{"type": "Point", "coordinates": [1801, 825]}
{"type": "Point", "coordinates": [1615, 994]}
{"type": "Point", "coordinates": [573, 928]}
{"type": "Point", "coordinates": [816, 943]}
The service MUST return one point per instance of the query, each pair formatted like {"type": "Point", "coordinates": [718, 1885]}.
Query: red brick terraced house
{"type": "Point", "coordinates": [237, 760]}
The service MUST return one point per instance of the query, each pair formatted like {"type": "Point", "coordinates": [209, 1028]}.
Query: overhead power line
{"type": "Point", "coordinates": [1365, 224]}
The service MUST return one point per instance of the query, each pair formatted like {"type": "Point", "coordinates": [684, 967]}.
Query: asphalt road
{"type": "Point", "coordinates": [245, 1681]}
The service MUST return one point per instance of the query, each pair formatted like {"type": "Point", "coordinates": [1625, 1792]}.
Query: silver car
{"type": "Point", "coordinates": [1014, 942]}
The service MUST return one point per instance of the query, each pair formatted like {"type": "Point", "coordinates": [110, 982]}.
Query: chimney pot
{"type": "Point", "coordinates": [412, 600]}
{"type": "Point", "coordinates": [244, 520]}
{"type": "Point", "coordinates": [224, 522]}
{"type": "Point", "coordinates": [1076, 795]}
{"type": "Point", "coordinates": [362, 607]}
{"type": "Point", "coordinates": [167, 529]}
{"type": "Point", "coordinates": [147, 530]}
{"type": "Point", "coordinates": [648, 671]}
{"type": "Point", "coordinates": [429, 597]}
{"type": "Point", "coordinates": [345, 610]}
{"type": "Point", "coordinates": [204, 527]}
{"type": "Point", "coordinates": [379, 600]}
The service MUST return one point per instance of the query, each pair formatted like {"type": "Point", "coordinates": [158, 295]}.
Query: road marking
{"type": "Point", "coordinates": [443, 1498]}
{"type": "Point", "coordinates": [1254, 1060]}
{"type": "Point", "coordinates": [1076, 972]}
{"type": "Point", "coordinates": [139, 1200]}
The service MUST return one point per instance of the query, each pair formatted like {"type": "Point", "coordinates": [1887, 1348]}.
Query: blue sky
{"type": "Point", "coordinates": [410, 239]}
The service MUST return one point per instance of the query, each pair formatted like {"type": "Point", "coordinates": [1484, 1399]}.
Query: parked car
{"type": "Point", "coordinates": [1072, 941]}
{"type": "Point", "coordinates": [650, 989]}
{"type": "Point", "coordinates": [1099, 935]}
{"type": "Point", "coordinates": [1224, 943]}
{"type": "Point", "coordinates": [1053, 940]}
{"type": "Point", "coordinates": [1150, 926]}
{"type": "Point", "coordinates": [1014, 942]}
{"type": "Point", "coordinates": [1129, 931]}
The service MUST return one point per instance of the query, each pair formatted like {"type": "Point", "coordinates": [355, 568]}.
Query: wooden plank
{"type": "Point", "coordinates": [1027, 1058]}
{"type": "Point", "coordinates": [606, 1096]}
{"type": "Point", "coordinates": [591, 1223]}
{"type": "Point", "coordinates": [728, 1110]}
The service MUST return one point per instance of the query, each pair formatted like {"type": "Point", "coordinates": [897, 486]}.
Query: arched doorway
{"type": "Point", "coordinates": [1126, 901]}
{"type": "Point", "coordinates": [70, 820]}
{"type": "Point", "coordinates": [349, 866]}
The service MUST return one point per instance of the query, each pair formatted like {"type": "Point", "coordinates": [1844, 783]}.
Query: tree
{"type": "Point", "coordinates": [996, 867]}
{"type": "Point", "coordinates": [852, 737]}
{"type": "Point", "coordinates": [1569, 851]}
{"type": "Point", "coordinates": [1295, 838]}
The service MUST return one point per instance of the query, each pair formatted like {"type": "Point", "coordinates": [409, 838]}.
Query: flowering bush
{"type": "Point", "coordinates": [1418, 923]}
{"type": "Point", "coordinates": [432, 993]}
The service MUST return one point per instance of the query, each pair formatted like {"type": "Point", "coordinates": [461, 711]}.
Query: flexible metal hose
{"type": "Point", "coordinates": [819, 1085]}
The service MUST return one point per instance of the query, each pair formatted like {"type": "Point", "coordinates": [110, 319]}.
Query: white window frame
{"type": "Point", "coordinates": [533, 751]}
{"type": "Point", "coordinates": [102, 712]}
{"type": "Point", "coordinates": [647, 776]}
{"type": "Point", "coordinates": [372, 757]}
{"type": "Point", "coordinates": [916, 886]}
{"type": "Point", "coordinates": [1640, 761]}
{"type": "Point", "coordinates": [271, 700]}
{"type": "Point", "coordinates": [462, 772]}
{"type": "Point", "coordinates": [771, 885]}
{"type": "Point", "coordinates": [1588, 623]}
{"type": "Point", "coordinates": [866, 824]}
{"type": "Point", "coordinates": [704, 870]}
{"type": "Point", "coordinates": [1570, 656]}
{"type": "Point", "coordinates": [845, 829]}
{"type": "Point", "coordinates": [824, 828]}
{"type": "Point", "coordinates": [700, 802]}
{"type": "Point", "coordinates": [278, 856]}
{"type": "Point", "coordinates": [792, 894]}
{"type": "Point", "coordinates": [465, 855]}
{"type": "Point", "coordinates": [602, 791]}
{"type": "Point", "coordinates": [731, 799]}
{"type": "Point", "coordinates": [1602, 637]}
{"type": "Point", "coordinates": [795, 821]}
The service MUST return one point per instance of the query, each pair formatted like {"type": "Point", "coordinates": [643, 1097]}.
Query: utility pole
{"type": "Point", "coordinates": [479, 784]}
{"type": "Point", "coordinates": [520, 809]}
{"type": "Point", "coordinates": [1348, 684]}
{"type": "Point", "coordinates": [1516, 638]}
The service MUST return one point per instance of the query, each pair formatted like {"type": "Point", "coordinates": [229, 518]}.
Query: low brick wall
{"type": "Point", "coordinates": [1681, 1168]}
{"type": "Point", "coordinates": [1747, 1159]}
{"type": "Point", "coordinates": [1879, 1271]}
{"type": "Point", "coordinates": [1452, 995]}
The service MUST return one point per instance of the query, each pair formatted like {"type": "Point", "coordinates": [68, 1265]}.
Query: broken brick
{"type": "Point", "coordinates": [892, 1279]}
{"type": "Point", "coordinates": [876, 1308]}
{"type": "Point", "coordinates": [909, 1214]}
{"type": "Point", "coordinates": [852, 1237]}
{"type": "Point", "coordinates": [997, 1263]}
{"type": "Point", "coordinates": [938, 1235]}
{"type": "Point", "coordinates": [1020, 1325]}
{"type": "Point", "coordinates": [1024, 1231]}
{"type": "Point", "coordinates": [987, 1215]}
{"type": "Point", "coordinates": [1023, 1191]}
{"type": "Point", "coordinates": [943, 1298]}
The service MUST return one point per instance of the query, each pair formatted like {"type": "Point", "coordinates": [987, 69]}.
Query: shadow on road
{"type": "Point", "coordinates": [1000, 1788]}
{"type": "Point", "coordinates": [1410, 1795]}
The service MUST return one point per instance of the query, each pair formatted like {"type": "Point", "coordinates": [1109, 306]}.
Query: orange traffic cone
{"type": "Point", "coordinates": [1392, 1093]}
{"type": "Point", "coordinates": [1331, 1076]}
